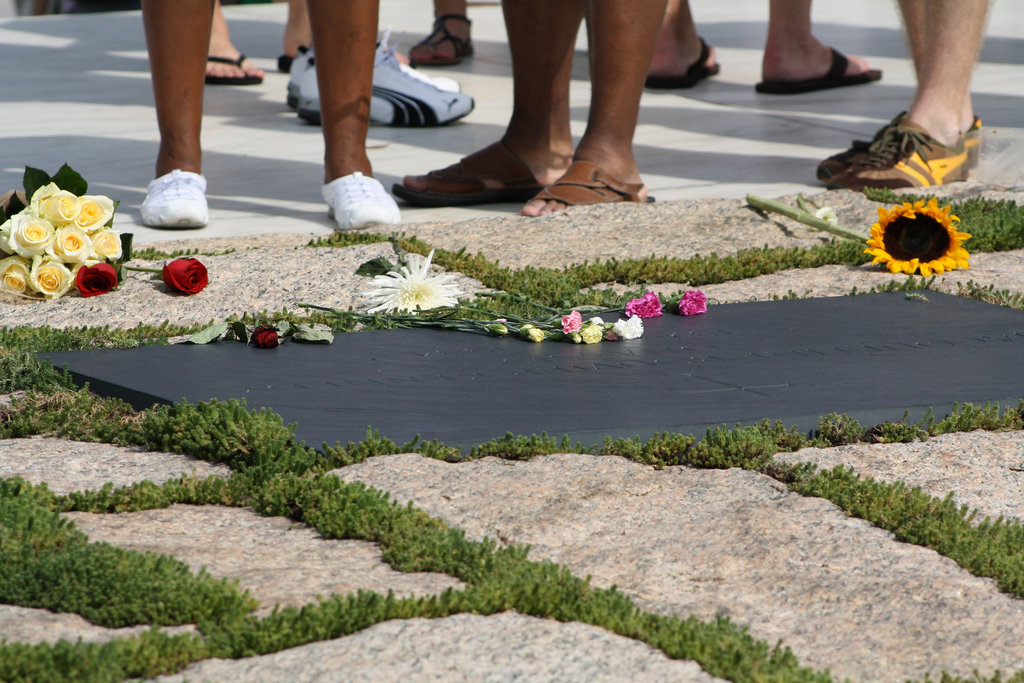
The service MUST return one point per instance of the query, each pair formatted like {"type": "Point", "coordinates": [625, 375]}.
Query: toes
{"type": "Point", "coordinates": [856, 66]}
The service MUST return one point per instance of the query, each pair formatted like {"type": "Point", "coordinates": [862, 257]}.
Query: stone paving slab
{"type": "Point", "coordinates": [983, 470]}
{"type": "Point", "coordinates": [496, 648]}
{"type": "Point", "coordinates": [66, 466]}
{"type": "Point", "coordinates": [31, 625]}
{"type": "Point", "coordinates": [840, 592]}
{"type": "Point", "coordinates": [280, 562]}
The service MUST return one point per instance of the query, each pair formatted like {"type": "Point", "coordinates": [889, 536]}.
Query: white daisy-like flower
{"type": "Point", "coordinates": [412, 287]}
{"type": "Point", "coordinates": [629, 329]}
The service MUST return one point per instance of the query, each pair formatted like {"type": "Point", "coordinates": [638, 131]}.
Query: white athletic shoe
{"type": "Point", "coordinates": [176, 200]}
{"type": "Point", "coordinates": [402, 96]}
{"type": "Point", "coordinates": [359, 201]}
{"type": "Point", "coordinates": [302, 63]}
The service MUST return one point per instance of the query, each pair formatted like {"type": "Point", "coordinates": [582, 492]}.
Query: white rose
{"type": "Point", "coordinates": [106, 245]}
{"type": "Point", "coordinates": [70, 244]}
{"type": "Point", "coordinates": [29, 235]}
{"type": "Point", "coordinates": [50, 277]}
{"type": "Point", "coordinates": [95, 212]}
{"type": "Point", "coordinates": [14, 274]}
{"type": "Point", "coordinates": [43, 194]}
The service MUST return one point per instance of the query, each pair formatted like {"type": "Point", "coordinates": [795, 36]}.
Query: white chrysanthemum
{"type": "Point", "coordinates": [629, 329]}
{"type": "Point", "coordinates": [412, 287]}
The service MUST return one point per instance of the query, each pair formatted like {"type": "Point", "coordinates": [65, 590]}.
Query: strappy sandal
{"type": "Point", "coordinates": [440, 35]}
{"type": "Point", "coordinates": [585, 183]}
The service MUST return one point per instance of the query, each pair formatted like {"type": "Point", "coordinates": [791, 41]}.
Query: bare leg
{"type": "Point", "coordinates": [952, 37]}
{"type": "Point", "coordinates": [297, 32]}
{"type": "Point", "coordinates": [678, 45]}
{"type": "Point", "coordinates": [942, 103]}
{"type": "Point", "coordinates": [791, 52]}
{"type": "Point", "coordinates": [457, 27]}
{"type": "Point", "coordinates": [541, 36]}
{"type": "Point", "coordinates": [345, 34]}
{"type": "Point", "coordinates": [221, 46]}
{"type": "Point", "coordinates": [177, 38]}
{"type": "Point", "coordinates": [622, 37]}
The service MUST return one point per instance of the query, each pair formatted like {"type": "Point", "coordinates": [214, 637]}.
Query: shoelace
{"type": "Point", "coordinates": [180, 187]}
{"type": "Point", "coordinates": [895, 143]}
{"type": "Point", "coordinates": [358, 190]}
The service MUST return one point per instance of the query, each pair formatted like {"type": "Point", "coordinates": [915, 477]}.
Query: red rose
{"type": "Point", "coordinates": [264, 337]}
{"type": "Point", "coordinates": [186, 275]}
{"type": "Point", "coordinates": [98, 279]}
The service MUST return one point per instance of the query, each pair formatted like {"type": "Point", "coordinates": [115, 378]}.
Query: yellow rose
{"type": "Point", "coordinates": [50, 277]}
{"type": "Point", "coordinates": [592, 333]}
{"type": "Point", "coordinates": [61, 208]}
{"type": "Point", "coordinates": [95, 212]}
{"type": "Point", "coordinates": [70, 245]}
{"type": "Point", "coordinates": [14, 272]}
{"type": "Point", "coordinates": [29, 235]}
{"type": "Point", "coordinates": [41, 195]}
{"type": "Point", "coordinates": [106, 245]}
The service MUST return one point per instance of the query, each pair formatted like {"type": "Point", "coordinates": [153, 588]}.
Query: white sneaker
{"type": "Point", "coordinates": [302, 63]}
{"type": "Point", "coordinates": [176, 200]}
{"type": "Point", "coordinates": [402, 96]}
{"type": "Point", "coordinates": [359, 201]}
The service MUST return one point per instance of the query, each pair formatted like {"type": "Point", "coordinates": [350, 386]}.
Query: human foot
{"type": "Point", "coordinates": [679, 66]}
{"type": "Point", "coordinates": [234, 69]}
{"type": "Point", "coordinates": [447, 44]}
{"type": "Point", "coordinates": [584, 183]}
{"type": "Point", "coordinates": [496, 173]}
{"type": "Point", "coordinates": [796, 69]}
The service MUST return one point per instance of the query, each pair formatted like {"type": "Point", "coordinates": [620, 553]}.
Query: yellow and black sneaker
{"type": "Point", "coordinates": [857, 154]}
{"type": "Point", "coordinates": [905, 156]}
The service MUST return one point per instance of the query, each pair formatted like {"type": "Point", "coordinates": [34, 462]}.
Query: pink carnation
{"type": "Point", "coordinates": [693, 303]}
{"type": "Point", "coordinates": [572, 322]}
{"type": "Point", "coordinates": [648, 306]}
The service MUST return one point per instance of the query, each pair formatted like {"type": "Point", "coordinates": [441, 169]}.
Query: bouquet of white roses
{"type": "Point", "coordinates": [62, 239]}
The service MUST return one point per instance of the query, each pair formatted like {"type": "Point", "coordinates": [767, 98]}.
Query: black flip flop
{"type": "Point", "coordinates": [697, 72]}
{"type": "Point", "coordinates": [833, 79]}
{"type": "Point", "coordinates": [231, 80]}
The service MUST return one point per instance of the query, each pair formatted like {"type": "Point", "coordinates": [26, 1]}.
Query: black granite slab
{"type": "Point", "coordinates": [874, 357]}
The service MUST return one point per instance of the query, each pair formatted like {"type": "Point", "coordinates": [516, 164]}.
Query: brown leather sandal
{"type": "Point", "coordinates": [463, 184]}
{"type": "Point", "coordinates": [585, 183]}
{"type": "Point", "coordinates": [440, 35]}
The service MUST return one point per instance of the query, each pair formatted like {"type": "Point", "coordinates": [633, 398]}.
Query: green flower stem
{"type": "Point", "coordinates": [143, 270]}
{"type": "Point", "coordinates": [804, 217]}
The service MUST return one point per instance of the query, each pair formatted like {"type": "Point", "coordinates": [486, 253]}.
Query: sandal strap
{"type": "Point", "coordinates": [494, 162]}
{"type": "Point", "coordinates": [585, 183]}
{"type": "Point", "coordinates": [462, 47]}
{"type": "Point", "coordinates": [228, 60]}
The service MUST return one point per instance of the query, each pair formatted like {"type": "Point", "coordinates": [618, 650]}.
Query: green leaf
{"type": "Point", "coordinates": [307, 335]}
{"type": "Point", "coordinates": [69, 179]}
{"type": "Point", "coordinates": [209, 334]}
{"type": "Point", "coordinates": [126, 247]}
{"type": "Point", "coordinates": [14, 205]}
{"type": "Point", "coordinates": [33, 179]}
{"type": "Point", "coordinates": [284, 328]}
{"type": "Point", "coordinates": [239, 331]}
{"type": "Point", "coordinates": [377, 266]}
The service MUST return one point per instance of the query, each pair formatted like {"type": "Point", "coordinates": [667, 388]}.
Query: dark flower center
{"type": "Point", "coordinates": [921, 237]}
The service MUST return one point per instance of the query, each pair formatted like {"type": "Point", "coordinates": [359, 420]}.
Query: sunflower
{"type": "Point", "coordinates": [918, 237]}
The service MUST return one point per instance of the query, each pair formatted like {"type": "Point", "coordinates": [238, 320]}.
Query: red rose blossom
{"type": "Point", "coordinates": [265, 337]}
{"type": "Point", "coordinates": [95, 280]}
{"type": "Point", "coordinates": [186, 275]}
